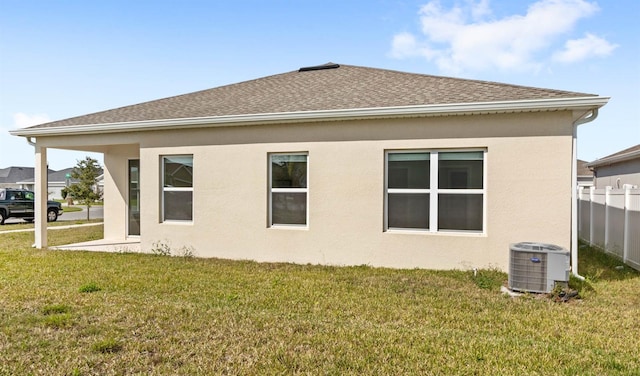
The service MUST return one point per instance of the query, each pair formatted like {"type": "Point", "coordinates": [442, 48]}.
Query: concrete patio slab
{"type": "Point", "coordinates": [102, 245]}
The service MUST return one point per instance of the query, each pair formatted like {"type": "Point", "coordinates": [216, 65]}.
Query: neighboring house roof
{"type": "Point", "coordinates": [15, 174]}
{"type": "Point", "coordinates": [326, 92]}
{"type": "Point", "coordinates": [621, 156]}
{"type": "Point", "coordinates": [60, 176]}
{"type": "Point", "coordinates": [583, 170]}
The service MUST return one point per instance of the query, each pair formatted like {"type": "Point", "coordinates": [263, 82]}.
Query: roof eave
{"type": "Point", "coordinates": [577, 103]}
{"type": "Point", "coordinates": [615, 159]}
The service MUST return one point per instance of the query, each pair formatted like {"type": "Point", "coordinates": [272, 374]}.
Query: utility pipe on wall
{"type": "Point", "coordinates": [574, 188]}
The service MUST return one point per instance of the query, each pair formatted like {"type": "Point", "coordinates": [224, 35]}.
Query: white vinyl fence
{"type": "Point", "coordinates": [610, 219]}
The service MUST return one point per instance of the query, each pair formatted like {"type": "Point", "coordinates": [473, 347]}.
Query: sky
{"type": "Point", "coordinates": [65, 58]}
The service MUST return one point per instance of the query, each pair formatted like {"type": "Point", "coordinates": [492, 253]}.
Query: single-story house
{"type": "Point", "coordinates": [23, 178]}
{"type": "Point", "coordinates": [11, 176]}
{"type": "Point", "coordinates": [618, 169]}
{"type": "Point", "coordinates": [57, 181]}
{"type": "Point", "coordinates": [338, 164]}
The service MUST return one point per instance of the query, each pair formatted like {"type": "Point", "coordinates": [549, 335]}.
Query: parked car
{"type": "Point", "coordinates": [19, 203]}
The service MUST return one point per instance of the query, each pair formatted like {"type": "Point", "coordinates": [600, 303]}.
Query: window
{"type": "Point", "coordinates": [435, 190]}
{"type": "Point", "coordinates": [177, 188]}
{"type": "Point", "coordinates": [288, 191]}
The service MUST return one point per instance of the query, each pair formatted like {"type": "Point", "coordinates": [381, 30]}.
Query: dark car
{"type": "Point", "coordinates": [19, 203]}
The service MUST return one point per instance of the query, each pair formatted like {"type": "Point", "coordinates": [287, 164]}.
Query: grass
{"type": "Point", "coordinates": [89, 287]}
{"type": "Point", "coordinates": [69, 209]}
{"type": "Point", "coordinates": [25, 226]}
{"type": "Point", "coordinates": [95, 203]}
{"type": "Point", "coordinates": [157, 315]}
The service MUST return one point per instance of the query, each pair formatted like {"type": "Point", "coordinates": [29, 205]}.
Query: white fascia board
{"type": "Point", "coordinates": [584, 103]}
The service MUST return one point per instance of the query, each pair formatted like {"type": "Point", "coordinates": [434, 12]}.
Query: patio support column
{"type": "Point", "coordinates": [40, 209]}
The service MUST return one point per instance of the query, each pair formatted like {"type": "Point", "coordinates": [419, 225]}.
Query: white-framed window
{"type": "Point", "coordinates": [177, 188]}
{"type": "Point", "coordinates": [288, 189]}
{"type": "Point", "coordinates": [435, 190]}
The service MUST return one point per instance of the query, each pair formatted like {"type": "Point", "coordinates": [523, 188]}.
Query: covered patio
{"type": "Point", "coordinates": [116, 191]}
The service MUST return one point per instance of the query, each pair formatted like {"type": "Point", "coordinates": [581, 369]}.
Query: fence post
{"type": "Point", "coordinates": [627, 225]}
{"type": "Point", "coordinates": [582, 196]}
{"type": "Point", "coordinates": [579, 204]}
{"type": "Point", "coordinates": [607, 220]}
{"type": "Point", "coordinates": [592, 192]}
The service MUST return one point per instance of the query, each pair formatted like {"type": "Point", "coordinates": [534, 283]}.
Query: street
{"type": "Point", "coordinates": [96, 212]}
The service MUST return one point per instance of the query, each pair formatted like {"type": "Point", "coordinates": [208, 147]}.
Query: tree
{"type": "Point", "coordinates": [86, 190]}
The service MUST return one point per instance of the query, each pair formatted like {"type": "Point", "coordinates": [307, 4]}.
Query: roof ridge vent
{"type": "Point", "coordinates": [319, 67]}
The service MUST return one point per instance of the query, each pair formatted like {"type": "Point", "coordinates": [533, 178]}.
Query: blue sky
{"type": "Point", "coordinates": [60, 59]}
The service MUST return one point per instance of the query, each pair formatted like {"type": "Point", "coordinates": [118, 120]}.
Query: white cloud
{"type": "Point", "coordinates": [469, 38]}
{"type": "Point", "coordinates": [581, 49]}
{"type": "Point", "coordinates": [480, 10]}
{"type": "Point", "coordinates": [22, 120]}
{"type": "Point", "coordinates": [406, 45]}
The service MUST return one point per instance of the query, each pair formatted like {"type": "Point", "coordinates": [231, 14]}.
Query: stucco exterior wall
{"type": "Point", "coordinates": [116, 189]}
{"type": "Point", "coordinates": [346, 190]}
{"type": "Point", "coordinates": [528, 188]}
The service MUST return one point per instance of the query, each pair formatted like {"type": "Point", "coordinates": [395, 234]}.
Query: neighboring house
{"type": "Point", "coordinates": [57, 181]}
{"type": "Point", "coordinates": [338, 164]}
{"type": "Point", "coordinates": [10, 176]}
{"type": "Point", "coordinates": [23, 177]}
{"type": "Point", "coordinates": [617, 169]}
{"type": "Point", "coordinates": [585, 175]}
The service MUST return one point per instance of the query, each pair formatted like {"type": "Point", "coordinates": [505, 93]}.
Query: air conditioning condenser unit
{"type": "Point", "coordinates": [537, 267]}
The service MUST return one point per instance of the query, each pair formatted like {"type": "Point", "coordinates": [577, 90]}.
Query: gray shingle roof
{"type": "Point", "coordinates": [629, 150]}
{"type": "Point", "coordinates": [11, 175]}
{"type": "Point", "coordinates": [632, 152]}
{"type": "Point", "coordinates": [57, 176]}
{"type": "Point", "coordinates": [344, 87]}
{"type": "Point", "coordinates": [61, 175]}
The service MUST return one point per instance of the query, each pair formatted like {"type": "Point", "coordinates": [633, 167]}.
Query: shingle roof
{"type": "Point", "coordinates": [12, 175]}
{"type": "Point", "coordinates": [342, 87]}
{"type": "Point", "coordinates": [58, 176]}
{"type": "Point", "coordinates": [583, 170]}
{"type": "Point", "coordinates": [632, 152]}
{"type": "Point", "coordinates": [625, 151]}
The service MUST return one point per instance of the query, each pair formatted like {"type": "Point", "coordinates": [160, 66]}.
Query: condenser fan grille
{"type": "Point", "coordinates": [528, 271]}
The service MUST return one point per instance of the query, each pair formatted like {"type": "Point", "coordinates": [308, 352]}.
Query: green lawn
{"type": "Point", "coordinates": [60, 222]}
{"type": "Point", "coordinates": [81, 313]}
{"type": "Point", "coordinates": [69, 209]}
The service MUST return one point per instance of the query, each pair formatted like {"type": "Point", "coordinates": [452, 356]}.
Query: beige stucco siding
{"type": "Point", "coordinates": [528, 188]}
{"type": "Point", "coordinates": [527, 183]}
{"type": "Point", "coordinates": [116, 189]}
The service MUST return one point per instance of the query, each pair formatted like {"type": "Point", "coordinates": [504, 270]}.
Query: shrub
{"type": "Point", "coordinates": [161, 248]}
